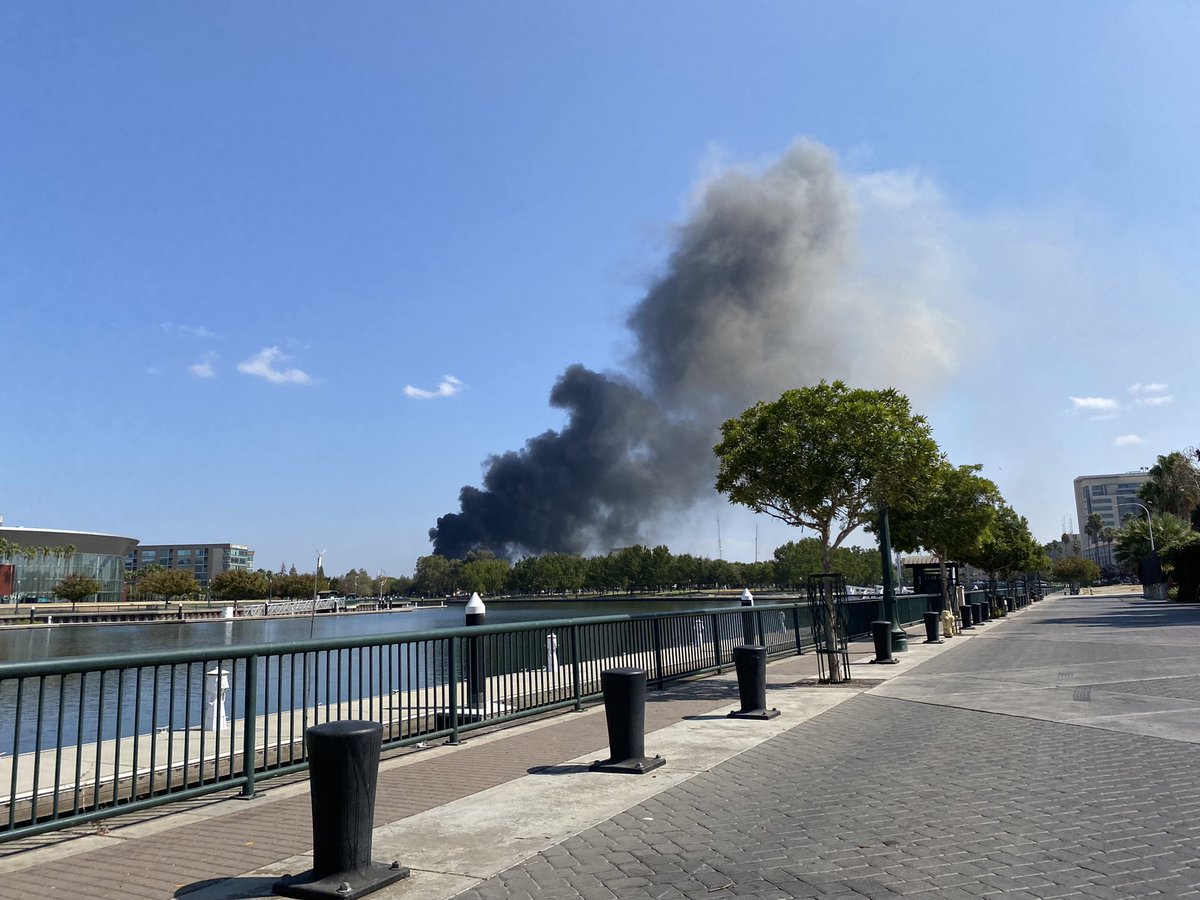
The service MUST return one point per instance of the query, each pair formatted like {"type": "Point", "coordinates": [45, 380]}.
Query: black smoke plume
{"type": "Point", "coordinates": [762, 292]}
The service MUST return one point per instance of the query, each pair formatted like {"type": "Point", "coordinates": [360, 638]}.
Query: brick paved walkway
{"type": "Point", "coordinates": [885, 797]}
{"type": "Point", "coordinates": [1056, 753]}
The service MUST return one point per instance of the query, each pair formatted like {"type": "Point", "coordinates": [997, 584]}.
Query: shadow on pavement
{"type": "Point", "coordinates": [242, 888]}
{"type": "Point", "coordinates": [558, 770]}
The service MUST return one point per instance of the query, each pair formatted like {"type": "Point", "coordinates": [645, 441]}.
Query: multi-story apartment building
{"type": "Point", "coordinates": [202, 560]}
{"type": "Point", "coordinates": [1114, 498]}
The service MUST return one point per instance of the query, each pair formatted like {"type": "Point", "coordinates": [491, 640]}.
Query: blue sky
{"type": "Point", "coordinates": [240, 244]}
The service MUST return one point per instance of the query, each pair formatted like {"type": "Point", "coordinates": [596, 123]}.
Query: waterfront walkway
{"type": "Point", "coordinates": [1055, 753]}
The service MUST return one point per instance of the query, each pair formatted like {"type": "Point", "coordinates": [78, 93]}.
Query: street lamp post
{"type": "Point", "coordinates": [899, 637]}
{"type": "Point", "coordinates": [312, 616]}
{"type": "Point", "coordinates": [1150, 528]}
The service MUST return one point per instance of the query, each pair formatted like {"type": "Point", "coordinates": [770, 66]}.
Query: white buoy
{"type": "Point", "coordinates": [216, 687]}
{"type": "Point", "coordinates": [475, 608]}
{"type": "Point", "coordinates": [699, 632]}
{"type": "Point", "coordinates": [552, 652]}
{"type": "Point", "coordinates": [747, 597]}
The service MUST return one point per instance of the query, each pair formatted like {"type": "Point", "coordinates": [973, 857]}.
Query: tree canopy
{"type": "Point", "coordinates": [825, 457]}
{"type": "Point", "coordinates": [237, 584]}
{"type": "Point", "coordinates": [1076, 569]}
{"type": "Point", "coordinates": [1008, 547]}
{"type": "Point", "coordinates": [76, 587]}
{"type": "Point", "coordinates": [1174, 485]}
{"type": "Point", "coordinates": [169, 583]}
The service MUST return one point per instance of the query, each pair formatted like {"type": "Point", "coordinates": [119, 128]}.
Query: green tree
{"type": "Point", "coordinates": [825, 458]}
{"type": "Point", "coordinates": [950, 518]}
{"type": "Point", "coordinates": [1074, 569]}
{"type": "Point", "coordinates": [136, 578]}
{"type": "Point", "coordinates": [295, 587]}
{"type": "Point", "coordinates": [76, 587]}
{"type": "Point", "coordinates": [236, 584]}
{"type": "Point", "coordinates": [169, 583]}
{"type": "Point", "coordinates": [1174, 485]}
{"type": "Point", "coordinates": [1008, 547]}
{"type": "Point", "coordinates": [796, 560]}
{"type": "Point", "coordinates": [484, 576]}
{"type": "Point", "coordinates": [436, 576]}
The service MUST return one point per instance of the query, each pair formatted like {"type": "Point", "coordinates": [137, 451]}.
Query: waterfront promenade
{"type": "Point", "coordinates": [1053, 753]}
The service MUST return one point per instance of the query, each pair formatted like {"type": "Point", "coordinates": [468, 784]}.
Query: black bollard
{"type": "Point", "coordinates": [625, 712]}
{"type": "Point", "coordinates": [343, 770]}
{"type": "Point", "coordinates": [965, 612]}
{"type": "Point", "coordinates": [1010, 604]}
{"type": "Point", "coordinates": [881, 634]}
{"type": "Point", "coordinates": [977, 613]}
{"type": "Point", "coordinates": [751, 664]}
{"type": "Point", "coordinates": [933, 627]}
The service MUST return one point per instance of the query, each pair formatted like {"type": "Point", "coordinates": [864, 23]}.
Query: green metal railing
{"type": "Point", "coordinates": [85, 738]}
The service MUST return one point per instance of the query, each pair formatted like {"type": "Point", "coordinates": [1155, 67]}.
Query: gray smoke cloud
{"type": "Point", "coordinates": [765, 290]}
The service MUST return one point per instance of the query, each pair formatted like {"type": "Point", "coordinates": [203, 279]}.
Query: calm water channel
{"type": "Point", "coordinates": [19, 644]}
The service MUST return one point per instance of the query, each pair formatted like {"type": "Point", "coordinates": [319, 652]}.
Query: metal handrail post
{"type": "Point", "coordinates": [656, 632]}
{"type": "Point", "coordinates": [452, 684]}
{"type": "Point", "coordinates": [716, 642]}
{"type": "Point", "coordinates": [249, 719]}
{"type": "Point", "coordinates": [576, 669]}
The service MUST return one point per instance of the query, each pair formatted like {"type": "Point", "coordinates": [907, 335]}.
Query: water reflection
{"type": "Point", "coordinates": [18, 644]}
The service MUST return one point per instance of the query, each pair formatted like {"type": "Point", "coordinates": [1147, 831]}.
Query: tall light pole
{"type": "Point", "coordinates": [1154, 589]}
{"type": "Point", "coordinates": [312, 616]}
{"type": "Point", "coordinates": [1149, 521]}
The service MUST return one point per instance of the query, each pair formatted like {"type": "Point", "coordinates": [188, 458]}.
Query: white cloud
{"type": "Point", "coordinates": [1099, 404]}
{"type": "Point", "coordinates": [1148, 388]}
{"type": "Point", "coordinates": [204, 369]}
{"type": "Point", "coordinates": [1127, 440]}
{"type": "Point", "coordinates": [263, 365]}
{"type": "Point", "coordinates": [196, 331]}
{"type": "Point", "coordinates": [447, 387]}
{"type": "Point", "coordinates": [1157, 400]}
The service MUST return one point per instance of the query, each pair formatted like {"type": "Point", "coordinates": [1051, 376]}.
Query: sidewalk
{"type": "Point", "coordinates": [516, 813]}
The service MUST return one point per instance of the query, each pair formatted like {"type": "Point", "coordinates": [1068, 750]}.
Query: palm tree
{"type": "Point", "coordinates": [1174, 485]}
{"type": "Point", "coordinates": [1108, 535]}
{"type": "Point", "coordinates": [1169, 532]}
{"type": "Point", "coordinates": [1092, 528]}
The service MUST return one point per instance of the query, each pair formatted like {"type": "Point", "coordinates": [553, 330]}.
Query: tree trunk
{"type": "Point", "coordinates": [945, 585]}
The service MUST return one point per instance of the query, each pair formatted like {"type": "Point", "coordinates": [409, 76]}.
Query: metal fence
{"type": "Point", "coordinates": [90, 737]}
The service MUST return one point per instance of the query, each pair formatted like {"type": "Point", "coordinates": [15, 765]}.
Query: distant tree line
{"type": "Point", "coordinates": [636, 570]}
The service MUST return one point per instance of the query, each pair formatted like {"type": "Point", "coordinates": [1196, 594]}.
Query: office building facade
{"type": "Point", "coordinates": [1114, 498]}
{"type": "Point", "coordinates": [204, 561]}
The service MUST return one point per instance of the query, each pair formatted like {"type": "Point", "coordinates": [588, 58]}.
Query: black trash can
{"type": "Point", "coordinates": [933, 627]}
